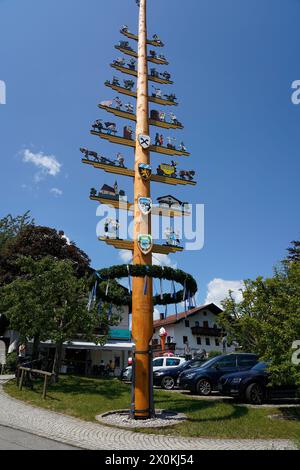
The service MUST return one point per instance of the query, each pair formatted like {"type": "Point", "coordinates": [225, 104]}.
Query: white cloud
{"type": "Point", "coordinates": [47, 164]}
{"type": "Point", "coordinates": [156, 314]}
{"type": "Point", "coordinates": [218, 290]}
{"type": "Point", "coordinates": [126, 256]}
{"type": "Point", "coordinates": [163, 260]}
{"type": "Point", "coordinates": [56, 192]}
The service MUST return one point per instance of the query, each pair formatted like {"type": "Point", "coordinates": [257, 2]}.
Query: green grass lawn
{"type": "Point", "coordinates": [85, 398]}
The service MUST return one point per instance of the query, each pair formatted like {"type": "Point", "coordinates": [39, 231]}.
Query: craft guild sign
{"type": "Point", "coordinates": [145, 171]}
{"type": "Point", "coordinates": [145, 243]}
{"type": "Point", "coordinates": [144, 141]}
{"type": "Point", "coordinates": [145, 205]}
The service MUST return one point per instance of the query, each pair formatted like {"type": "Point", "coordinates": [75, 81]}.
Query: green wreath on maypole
{"type": "Point", "coordinates": [119, 297]}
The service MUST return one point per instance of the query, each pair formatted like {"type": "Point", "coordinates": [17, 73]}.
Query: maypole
{"type": "Point", "coordinates": [142, 245]}
{"type": "Point", "coordinates": [142, 307]}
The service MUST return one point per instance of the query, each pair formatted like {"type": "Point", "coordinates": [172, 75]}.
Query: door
{"type": "Point", "coordinates": [226, 365]}
{"type": "Point", "coordinates": [158, 364]}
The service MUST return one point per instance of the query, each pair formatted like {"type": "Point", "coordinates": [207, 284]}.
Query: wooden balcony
{"type": "Point", "coordinates": [157, 351]}
{"type": "Point", "coordinates": [204, 331]}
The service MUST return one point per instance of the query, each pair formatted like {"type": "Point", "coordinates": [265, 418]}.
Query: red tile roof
{"type": "Point", "coordinates": [172, 319]}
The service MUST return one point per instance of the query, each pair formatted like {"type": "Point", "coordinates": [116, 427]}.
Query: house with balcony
{"type": "Point", "coordinates": [191, 331]}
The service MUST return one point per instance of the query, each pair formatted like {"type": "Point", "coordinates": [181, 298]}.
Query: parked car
{"type": "Point", "coordinates": [163, 362]}
{"type": "Point", "coordinates": [126, 374]}
{"type": "Point", "coordinates": [252, 386]}
{"type": "Point", "coordinates": [158, 364]}
{"type": "Point", "coordinates": [205, 379]}
{"type": "Point", "coordinates": [167, 378]}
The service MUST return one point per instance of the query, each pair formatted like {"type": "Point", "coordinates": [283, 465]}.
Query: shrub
{"type": "Point", "coordinates": [212, 354]}
{"type": "Point", "coordinates": [11, 362]}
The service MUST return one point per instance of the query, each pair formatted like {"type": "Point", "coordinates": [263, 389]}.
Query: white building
{"type": "Point", "coordinates": [83, 357]}
{"type": "Point", "coordinates": [192, 331]}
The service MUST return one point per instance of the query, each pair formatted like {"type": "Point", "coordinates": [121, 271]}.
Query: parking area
{"type": "Point", "coordinates": [215, 396]}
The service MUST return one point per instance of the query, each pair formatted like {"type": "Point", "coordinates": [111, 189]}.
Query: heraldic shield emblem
{"type": "Point", "coordinates": [145, 205]}
{"type": "Point", "coordinates": [144, 141]}
{"type": "Point", "coordinates": [145, 243]}
{"type": "Point", "coordinates": [145, 171]}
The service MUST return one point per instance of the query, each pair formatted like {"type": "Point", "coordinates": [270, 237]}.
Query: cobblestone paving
{"type": "Point", "coordinates": [72, 431]}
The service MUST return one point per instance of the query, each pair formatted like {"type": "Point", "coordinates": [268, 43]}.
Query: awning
{"type": "Point", "coordinates": [113, 345]}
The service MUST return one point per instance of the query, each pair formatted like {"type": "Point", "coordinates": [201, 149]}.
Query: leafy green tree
{"type": "Point", "coordinates": [10, 226]}
{"type": "Point", "coordinates": [49, 302]}
{"type": "Point", "coordinates": [267, 320]}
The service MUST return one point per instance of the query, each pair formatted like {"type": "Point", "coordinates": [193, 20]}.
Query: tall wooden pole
{"type": "Point", "coordinates": [142, 306]}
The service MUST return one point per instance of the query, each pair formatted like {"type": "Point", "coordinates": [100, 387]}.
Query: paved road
{"type": "Point", "coordinates": [86, 435]}
{"type": "Point", "coordinates": [12, 439]}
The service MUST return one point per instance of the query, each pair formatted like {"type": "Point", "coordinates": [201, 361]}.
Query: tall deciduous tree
{"type": "Point", "coordinates": [39, 242]}
{"type": "Point", "coordinates": [49, 302]}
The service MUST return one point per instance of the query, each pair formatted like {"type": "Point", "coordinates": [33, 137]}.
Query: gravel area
{"type": "Point", "coordinates": [122, 419]}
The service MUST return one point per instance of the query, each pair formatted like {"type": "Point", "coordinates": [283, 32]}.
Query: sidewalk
{"type": "Point", "coordinates": [87, 435]}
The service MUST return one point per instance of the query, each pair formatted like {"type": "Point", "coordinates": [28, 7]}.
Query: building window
{"type": "Point", "coordinates": [185, 339]}
{"type": "Point", "coordinates": [187, 323]}
{"type": "Point", "coordinates": [197, 323]}
{"type": "Point", "coordinates": [205, 324]}
{"type": "Point", "coordinates": [168, 339]}
{"type": "Point", "coordinates": [205, 313]}
{"type": "Point", "coordinates": [217, 341]}
{"type": "Point", "coordinates": [155, 341]}
{"type": "Point", "coordinates": [198, 340]}
{"type": "Point", "coordinates": [207, 341]}
{"type": "Point", "coordinates": [162, 316]}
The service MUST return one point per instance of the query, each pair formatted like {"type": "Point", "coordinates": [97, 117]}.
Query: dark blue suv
{"type": "Point", "coordinates": [253, 386]}
{"type": "Point", "coordinates": [205, 379]}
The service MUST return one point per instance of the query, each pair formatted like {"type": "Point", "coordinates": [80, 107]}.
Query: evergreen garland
{"type": "Point", "coordinates": [119, 295]}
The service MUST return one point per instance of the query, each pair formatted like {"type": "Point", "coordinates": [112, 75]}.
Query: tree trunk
{"type": "Point", "coordinates": [57, 360]}
{"type": "Point", "coordinates": [35, 347]}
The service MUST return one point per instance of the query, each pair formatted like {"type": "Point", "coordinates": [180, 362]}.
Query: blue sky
{"type": "Point", "coordinates": [233, 63]}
